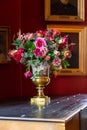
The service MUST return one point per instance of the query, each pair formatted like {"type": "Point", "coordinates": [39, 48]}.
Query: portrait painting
{"type": "Point", "coordinates": [64, 10]}
{"type": "Point", "coordinates": [77, 35]}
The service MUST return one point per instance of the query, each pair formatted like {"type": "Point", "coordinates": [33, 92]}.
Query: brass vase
{"type": "Point", "coordinates": [41, 81]}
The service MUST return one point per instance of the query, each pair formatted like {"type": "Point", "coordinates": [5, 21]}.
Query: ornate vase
{"type": "Point", "coordinates": [41, 79]}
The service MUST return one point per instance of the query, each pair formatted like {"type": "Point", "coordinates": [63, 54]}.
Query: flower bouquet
{"type": "Point", "coordinates": [43, 46]}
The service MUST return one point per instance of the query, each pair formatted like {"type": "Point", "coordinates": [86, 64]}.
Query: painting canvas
{"type": "Point", "coordinates": [4, 43]}
{"type": "Point", "coordinates": [65, 10]}
{"type": "Point", "coordinates": [78, 35]}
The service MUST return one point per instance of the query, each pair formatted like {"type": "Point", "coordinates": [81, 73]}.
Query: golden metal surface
{"type": "Point", "coordinates": [40, 83]}
{"type": "Point", "coordinates": [40, 101]}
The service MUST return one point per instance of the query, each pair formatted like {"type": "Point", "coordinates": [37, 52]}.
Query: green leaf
{"type": "Point", "coordinates": [17, 42]}
{"type": "Point", "coordinates": [56, 39]}
{"type": "Point", "coordinates": [65, 63]}
{"type": "Point", "coordinates": [29, 45]}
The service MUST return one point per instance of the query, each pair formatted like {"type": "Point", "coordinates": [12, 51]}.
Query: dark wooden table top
{"type": "Point", "coordinates": [59, 110]}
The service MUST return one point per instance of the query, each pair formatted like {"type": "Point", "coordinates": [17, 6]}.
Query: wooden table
{"type": "Point", "coordinates": [62, 113]}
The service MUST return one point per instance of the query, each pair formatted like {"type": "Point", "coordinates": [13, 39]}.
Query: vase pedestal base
{"type": "Point", "coordinates": [40, 100]}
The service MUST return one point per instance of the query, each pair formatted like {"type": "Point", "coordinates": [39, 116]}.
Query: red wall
{"type": "Point", "coordinates": [29, 16]}
{"type": "Point", "coordinates": [9, 73]}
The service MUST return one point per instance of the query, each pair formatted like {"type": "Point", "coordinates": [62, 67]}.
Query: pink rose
{"type": "Point", "coordinates": [40, 52]}
{"type": "Point", "coordinates": [44, 51]}
{"type": "Point", "coordinates": [40, 42]}
{"type": "Point", "coordinates": [28, 74]}
{"type": "Point", "coordinates": [37, 52]}
{"type": "Point", "coordinates": [56, 62]}
{"type": "Point", "coordinates": [39, 33]}
{"type": "Point", "coordinates": [65, 39]}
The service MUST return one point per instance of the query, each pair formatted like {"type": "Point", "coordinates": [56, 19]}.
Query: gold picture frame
{"type": "Point", "coordinates": [4, 43]}
{"type": "Point", "coordinates": [78, 34]}
{"type": "Point", "coordinates": [78, 17]}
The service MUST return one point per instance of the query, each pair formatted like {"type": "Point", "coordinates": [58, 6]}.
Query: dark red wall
{"type": "Point", "coordinates": [29, 16]}
{"type": "Point", "coordinates": [9, 73]}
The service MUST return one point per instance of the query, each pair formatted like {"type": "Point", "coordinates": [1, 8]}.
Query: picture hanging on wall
{"type": "Point", "coordinates": [4, 43]}
{"type": "Point", "coordinates": [78, 35]}
{"type": "Point", "coordinates": [62, 10]}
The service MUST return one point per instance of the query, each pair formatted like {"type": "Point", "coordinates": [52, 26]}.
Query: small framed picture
{"type": "Point", "coordinates": [78, 61]}
{"type": "Point", "coordinates": [4, 43]}
{"type": "Point", "coordinates": [65, 10]}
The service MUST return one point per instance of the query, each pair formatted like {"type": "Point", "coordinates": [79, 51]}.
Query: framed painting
{"type": "Point", "coordinates": [64, 10]}
{"type": "Point", "coordinates": [4, 43]}
{"type": "Point", "coordinates": [78, 35]}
